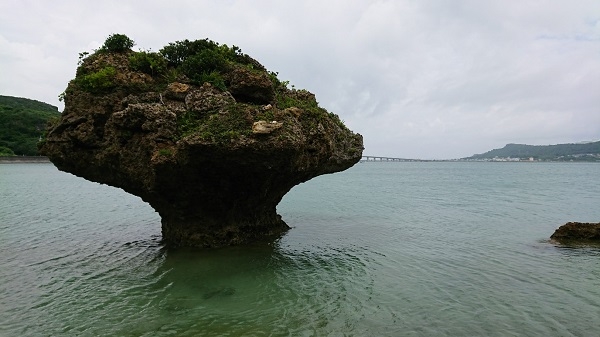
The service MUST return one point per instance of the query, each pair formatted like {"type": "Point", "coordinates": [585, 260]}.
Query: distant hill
{"type": "Point", "coordinates": [22, 123]}
{"type": "Point", "coordinates": [560, 152]}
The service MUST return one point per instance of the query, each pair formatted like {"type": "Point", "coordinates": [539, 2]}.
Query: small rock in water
{"type": "Point", "coordinates": [577, 231]}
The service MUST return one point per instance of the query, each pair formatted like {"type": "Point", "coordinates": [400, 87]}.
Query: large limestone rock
{"type": "Point", "coordinates": [213, 160]}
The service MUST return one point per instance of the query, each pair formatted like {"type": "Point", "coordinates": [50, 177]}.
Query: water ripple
{"type": "Point", "coordinates": [412, 249]}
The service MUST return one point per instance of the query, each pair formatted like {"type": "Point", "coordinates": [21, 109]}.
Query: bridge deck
{"type": "Point", "coordinates": [380, 158]}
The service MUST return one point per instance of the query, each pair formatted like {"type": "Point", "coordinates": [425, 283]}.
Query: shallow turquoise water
{"type": "Point", "coordinates": [383, 249]}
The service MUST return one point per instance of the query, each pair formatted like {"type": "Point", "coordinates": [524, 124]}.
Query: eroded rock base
{"type": "Point", "coordinates": [196, 234]}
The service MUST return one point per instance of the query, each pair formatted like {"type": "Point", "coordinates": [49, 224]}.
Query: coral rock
{"type": "Point", "coordinates": [577, 232]}
{"type": "Point", "coordinates": [213, 161]}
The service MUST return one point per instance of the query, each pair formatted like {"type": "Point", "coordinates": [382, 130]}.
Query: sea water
{"type": "Point", "coordinates": [382, 249]}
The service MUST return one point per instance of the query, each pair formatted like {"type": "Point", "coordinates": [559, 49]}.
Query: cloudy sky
{"type": "Point", "coordinates": [431, 79]}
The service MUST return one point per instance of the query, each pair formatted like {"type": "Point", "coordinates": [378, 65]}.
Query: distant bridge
{"type": "Point", "coordinates": [380, 158]}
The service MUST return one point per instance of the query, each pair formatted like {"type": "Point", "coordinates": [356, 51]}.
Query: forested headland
{"type": "Point", "coordinates": [22, 123]}
{"type": "Point", "coordinates": [589, 151]}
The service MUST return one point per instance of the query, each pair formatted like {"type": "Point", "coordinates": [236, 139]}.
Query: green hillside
{"type": "Point", "coordinates": [560, 152]}
{"type": "Point", "coordinates": [22, 123]}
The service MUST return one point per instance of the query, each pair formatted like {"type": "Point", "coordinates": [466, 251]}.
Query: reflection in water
{"type": "Point", "coordinates": [579, 248]}
{"type": "Point", "coordinates": [252, 289]}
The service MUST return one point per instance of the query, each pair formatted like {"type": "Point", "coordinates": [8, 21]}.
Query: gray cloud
{"type": "Point", "coordinates": [419, 79]}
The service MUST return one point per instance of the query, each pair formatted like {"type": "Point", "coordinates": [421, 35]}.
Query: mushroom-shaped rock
{"type": "Point", "coordinates": [213, 163]}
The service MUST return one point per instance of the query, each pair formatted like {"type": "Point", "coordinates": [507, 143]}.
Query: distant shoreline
{"type": "Point", "coordinates": [24, 159]}
{"type": "Point", "coordinates": [45, 160]}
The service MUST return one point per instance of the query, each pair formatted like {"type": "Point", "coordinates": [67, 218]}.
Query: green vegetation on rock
{"type": "Point", "coordinates": [116, 68]}
{"type": "Point", "coordinates": [150, 63]}
{"type": "Point", "coordinates": [22, 124]}
{"type": "Point", "coordinates": [197, 61]}
{"type": "Point", "coordinates": [117, 43]}
{"type": "Point", "coordinates": [99, 81]}
{"type": "Point", "coordinates": [216, 127]}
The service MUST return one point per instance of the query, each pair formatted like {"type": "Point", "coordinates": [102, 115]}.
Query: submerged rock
{"type": "Point", "coordinates": [203, 133]}
{"type": "Point", "coordinates": [577, 232]}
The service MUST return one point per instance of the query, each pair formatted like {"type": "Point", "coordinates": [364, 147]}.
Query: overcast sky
{"type": "Point", "coordinates": [431, 79]}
